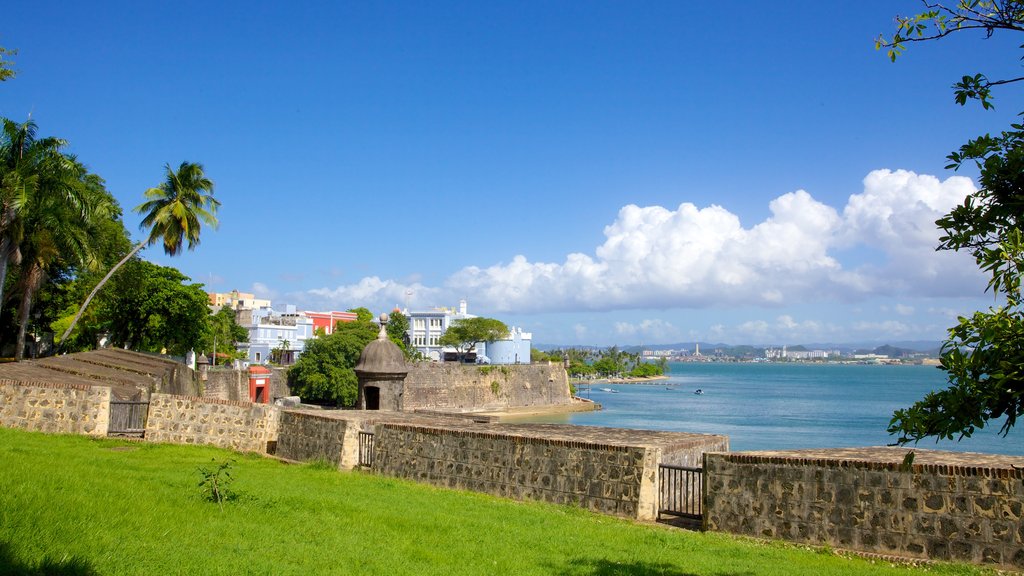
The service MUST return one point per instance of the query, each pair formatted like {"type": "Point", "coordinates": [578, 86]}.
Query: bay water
{"type": "Point", "coordinates": [781, 406]}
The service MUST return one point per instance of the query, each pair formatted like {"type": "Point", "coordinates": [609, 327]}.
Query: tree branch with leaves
{"type": "Point", "coordinates": [983, 355]}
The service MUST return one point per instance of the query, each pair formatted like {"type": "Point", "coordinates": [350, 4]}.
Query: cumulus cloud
{"type": "Point", "coordinates": [694, 257]}
{"type": "Point", "coordinates": [650, 330]}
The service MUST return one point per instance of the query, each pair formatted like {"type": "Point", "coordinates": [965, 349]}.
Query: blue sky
{"type": "Point", "coordinates": [594, 172]}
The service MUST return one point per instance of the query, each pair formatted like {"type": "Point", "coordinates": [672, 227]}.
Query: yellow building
{"type": "Point", "coordinates": [236, 300]}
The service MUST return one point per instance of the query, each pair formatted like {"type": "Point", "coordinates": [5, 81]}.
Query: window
{"type": "Point", "coordinates": [257, 357]}
{"type": "Point", "coordinates": [419, 324]}
{"type": "Point", "coordinates": [433, 339]}
{"type": "Point", "coordinates": [435, 323]}
{"type": "Point", "coordinates": [419, 340]}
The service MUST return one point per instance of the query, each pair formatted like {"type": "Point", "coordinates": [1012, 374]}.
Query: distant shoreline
{"type": "Point", "coordinates": [627, 380]}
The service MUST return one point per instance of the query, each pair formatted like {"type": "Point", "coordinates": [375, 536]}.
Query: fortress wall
{"type": "Point", "coordinates": [191, 420]}
{"type": "Point", "coordinates": [231, 384]}
{"type": "Point", "coordinates": [57, 408]}
{"type": "Point", "coordinates": [305, 437]}
{"type": "Point", "coordinates": [947, 506]}
{"type": "Point", "coordinates": [599, 477]}
{"type": "Point", "coordinates": [458, 387]}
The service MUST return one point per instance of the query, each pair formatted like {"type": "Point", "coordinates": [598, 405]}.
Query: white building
{"type": "Point", "coordinates": [427, 326]}
{"type": "Point", "coordinates": [270, 330]}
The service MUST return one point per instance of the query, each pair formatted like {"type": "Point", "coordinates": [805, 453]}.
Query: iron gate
{"type": "Point", "coordinates": [128, 418]}
{"type": "Point", "coordinates": [366, 449]}
{"type": "Point", "coordinates": [682, 491]}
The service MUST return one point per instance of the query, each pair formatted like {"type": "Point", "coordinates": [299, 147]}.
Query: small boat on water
{"type": "Point", "coordinates": [698, 391]}
{"type": "Point", "coordinates": [607, 390]}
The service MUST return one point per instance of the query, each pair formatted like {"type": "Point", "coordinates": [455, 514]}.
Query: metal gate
{"type": "Point", "coordinates": [366, 449]}
{"type": "Point", "coordinates": [127, 418]}
{"type": "Point", "coordinates": [682, 491]}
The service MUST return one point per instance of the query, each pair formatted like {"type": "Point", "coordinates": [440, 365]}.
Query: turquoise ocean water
{"type": "Point", "coordinates": [769, 406]}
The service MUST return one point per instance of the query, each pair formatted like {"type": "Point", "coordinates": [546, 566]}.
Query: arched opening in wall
{"type": "Point", "coordinates": [372, 397]}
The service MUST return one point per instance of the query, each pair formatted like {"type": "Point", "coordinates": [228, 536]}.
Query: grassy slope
{"type": "Point", "coordinates": [75, 505]}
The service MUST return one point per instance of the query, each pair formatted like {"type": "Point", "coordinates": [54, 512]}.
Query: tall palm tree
{"type": "Point", "coordinates": [29, 167]}
{"type": "Point", "coordinates": [174, 213]}
{"type": "Point", "coordinates": [57, 232]}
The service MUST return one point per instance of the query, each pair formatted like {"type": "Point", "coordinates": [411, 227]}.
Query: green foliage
{"type": "Point", "coordinates": [645, 370]}
{"type": "Point", "coordinates": [152, 308]}
{"type": "Point", "coordinates": [324, 372]}
{"type": "Point", "coordinates": [398, 332]}
{"type": "Point", "coordinates": [175, 210]}
{"type": "Point", "coordinates": [215, 482]}
{"type": "Point", "coordinates": [464, 333]}
{"type": "Point", "coordinates": [495, 387]}
{"type": "Point", "coordinates": [362, 314]}
{"type": "Point", "coordinates": [984, 353]}
{"type": "Point", "coordinates": [6, 71]}
{"type": "Point", "coordinates": [174, 213]}
{"type": "Point", "coordinates": [223, 335]}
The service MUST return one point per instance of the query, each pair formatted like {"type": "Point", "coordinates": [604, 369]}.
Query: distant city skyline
{"type": "Point", "coordinates": [595, 173]}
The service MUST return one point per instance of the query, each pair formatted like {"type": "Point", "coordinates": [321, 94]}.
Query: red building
{"type": "Point", "coordinates": [326, 321]}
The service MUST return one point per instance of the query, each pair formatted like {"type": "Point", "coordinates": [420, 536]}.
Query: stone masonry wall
{"type": "Point", "coordinates": [945, 506]}
{"type": "Point", "coordinates": [602, 478]}
{"type": "Point", "coordinates": [58, 408]}
{"type": "Point", "coordinates": [449, 386]}
{"type": "Point", "coordinates": [239, 426]}
{"type": "Point", "coordinates": [231, 384]}
{"type": "Point", "coordinates": [304, 437]}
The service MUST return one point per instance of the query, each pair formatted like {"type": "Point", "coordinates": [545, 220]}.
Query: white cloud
{"type": "Point", "coordinates": [261, 290]}
{"type": "Point", "coordinates": [376, 294]}
{"type": "Point", "coordinates": [691, 257]}
{"type": "Point", "coordinates": [650, 330]}
{"type": "Point", "coordinates": [904, 310]}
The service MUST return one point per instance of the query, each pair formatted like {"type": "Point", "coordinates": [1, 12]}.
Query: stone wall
{"type": "Point", "coordinates": [605, 470]}
{"type": "Point", "coordinates": [57, 408]}
{"type": "Point", "coordinates": [457, 387]}
{"type": "Point", "coordinates": [945, 506]}
{"type": "Point", "coordinates": [231, 384]}
{"type": "Point", "coordinates": [239, 426]}
{"type": "Point", "coordinates": [308, 436]}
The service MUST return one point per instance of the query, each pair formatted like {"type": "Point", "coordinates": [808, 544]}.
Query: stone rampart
{"type": "Point", "coordinates": [944, 505]}
{"type": "Point", "coordinates": [308, 436]}
{"type": "Point", "coordinates": [239, 426]}
{"type": "Point", "coordinates": [57, 408]}
{"type": "Point", "coordinates": [457, 387]}
{"type": "Point", "coordinates": [605, 470]}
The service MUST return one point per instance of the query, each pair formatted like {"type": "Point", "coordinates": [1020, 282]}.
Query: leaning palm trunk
{"type": "Point", "coordinates": [85, 304]}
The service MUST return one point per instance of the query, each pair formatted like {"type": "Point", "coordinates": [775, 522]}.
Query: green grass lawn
{"type": "Point", "coordinates": [75, 505]}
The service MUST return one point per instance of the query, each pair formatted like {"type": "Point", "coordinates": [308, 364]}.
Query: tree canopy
{"type": "Point", "coordinates": [174, 213]}
{"type": "Point", "coordinates": [153, 308]}
{"type": "Point", "coordinates": [464, 333]}
{"type": "Point", "coordinates": [984, 353]}
{"type": "Point", "coordinates": [324, 373]}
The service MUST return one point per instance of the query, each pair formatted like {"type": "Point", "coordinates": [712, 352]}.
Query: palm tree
{"type": "Point", "coordinates": [57, 232]}
{"type": "Point", "coordinates": [174, 211]}
{"type": "Point", "coordinates": [30, 167]}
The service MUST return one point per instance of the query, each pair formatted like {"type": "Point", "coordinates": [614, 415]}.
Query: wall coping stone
{"type": "Point", "coordinates": [889, 458]}
{"type": "Point", "coordinates": [202, 400]}
{"type": "Point", "coordinates": [54, 385]}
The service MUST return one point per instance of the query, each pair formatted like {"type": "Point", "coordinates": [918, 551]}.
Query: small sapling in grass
{"type": "Point", "coordinates": [215, 482]}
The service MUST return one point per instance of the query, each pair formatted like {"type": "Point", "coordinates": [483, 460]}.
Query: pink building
{"type": "Point", "coordinates": [326, 321]}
